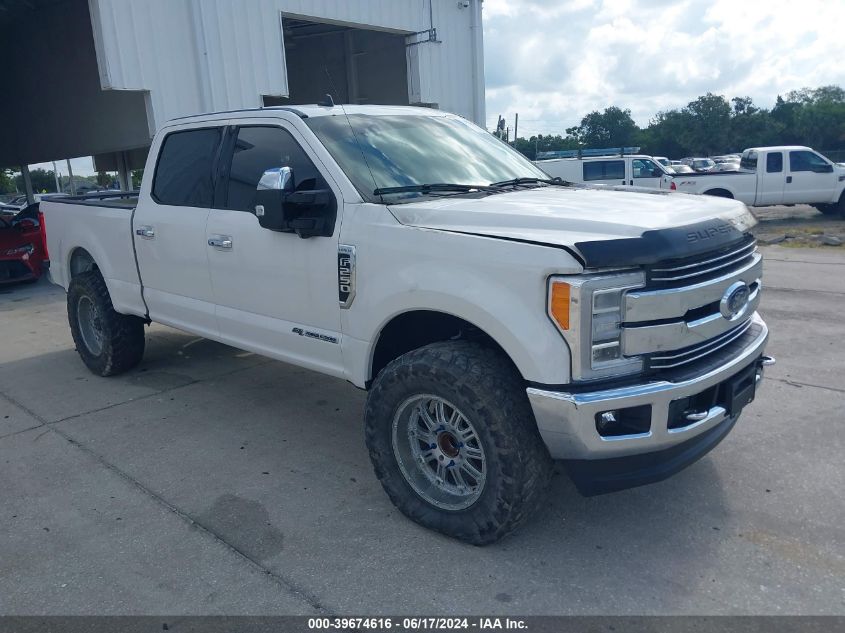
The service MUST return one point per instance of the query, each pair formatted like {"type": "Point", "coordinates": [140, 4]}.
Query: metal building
{"type": "Point", "coordinates": [98, 77]}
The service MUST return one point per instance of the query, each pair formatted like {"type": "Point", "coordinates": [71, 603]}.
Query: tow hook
{"type": "Point", "coordinates": [762, 363]}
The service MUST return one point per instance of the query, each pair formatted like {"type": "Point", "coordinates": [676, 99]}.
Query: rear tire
{"type": "Point", "coordinates": [828, 209]}
{"type": "Point", "coordinates": [109, 343]}
{"type": "Point", "coordinates": [457, 401]}
{"type": "Point", "coordinates": [719, 193]}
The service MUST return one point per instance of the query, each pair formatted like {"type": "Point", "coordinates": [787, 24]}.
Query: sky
{"type": "Point", "coordinates": [553, 61]}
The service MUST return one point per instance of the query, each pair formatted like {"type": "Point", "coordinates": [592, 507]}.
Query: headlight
{"type": "Point", "coordinates": [20, 250]}
{"type": "Point", "coordinates": [587, 311]}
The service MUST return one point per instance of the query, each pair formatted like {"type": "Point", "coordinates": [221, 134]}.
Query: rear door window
{"type": "Point", "coordinates": [604, 170]}
{"type": "Point", "coordinates": [774, 162]}
{"type": "Point", "coordinates": [184, 173]}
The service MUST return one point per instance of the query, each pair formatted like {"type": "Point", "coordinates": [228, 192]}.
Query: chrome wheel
{"type": "Point", "coordinates": [439, 452]}
{"type": "Point", "coordinates": [90, 325]}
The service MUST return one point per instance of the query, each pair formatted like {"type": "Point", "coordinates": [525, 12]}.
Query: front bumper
{"type": "Point", "coordinates": [567, 424]}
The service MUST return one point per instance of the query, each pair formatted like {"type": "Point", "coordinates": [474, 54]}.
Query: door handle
{"type": "Point", "coordinates": [788, 179]}
{"type": "Point", "coordinates": [223, 242]}
{"type": "Point", "coordinates": [147, 232]}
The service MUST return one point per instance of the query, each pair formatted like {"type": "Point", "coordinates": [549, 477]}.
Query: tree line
{"type": "Point", "coordinates": [711, 125]}
{"type": "Point", "coordinates": [44, 181]}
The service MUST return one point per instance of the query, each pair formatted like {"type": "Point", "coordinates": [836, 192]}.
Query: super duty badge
{"type": "Point", "coordinates": [345, 274]}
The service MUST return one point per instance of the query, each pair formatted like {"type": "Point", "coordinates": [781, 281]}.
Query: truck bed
{"type": "Point", "coordinates": [99, 226]}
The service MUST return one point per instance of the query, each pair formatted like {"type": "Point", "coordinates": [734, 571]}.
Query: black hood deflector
{"type": "Point", "coordinates": [660, 245]}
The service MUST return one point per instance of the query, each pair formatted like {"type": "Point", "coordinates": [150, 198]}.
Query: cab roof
{"type": "Point", "coordinates": [306, 111]}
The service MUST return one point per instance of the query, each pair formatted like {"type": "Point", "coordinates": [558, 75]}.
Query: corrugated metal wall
{"type": "Point", "coordinates": [210, 55]}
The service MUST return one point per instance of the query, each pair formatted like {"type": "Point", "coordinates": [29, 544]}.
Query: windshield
{"type": "Point", "coordinates": [403, 150]}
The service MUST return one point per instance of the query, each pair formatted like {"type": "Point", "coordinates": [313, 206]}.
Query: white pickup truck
{"type": "Point", "coordinates": [499, 320]}
{"type": "Point", "coordinates": [775, 175]}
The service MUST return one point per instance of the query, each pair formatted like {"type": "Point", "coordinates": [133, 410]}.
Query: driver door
{"type": "Point", "coordinates": [810, 179]}
{"type": "Point", "coordinates": [275, 292]}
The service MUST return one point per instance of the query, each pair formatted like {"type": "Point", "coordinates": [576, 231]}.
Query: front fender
{"type": "Point", "coordinates": [496, 285]}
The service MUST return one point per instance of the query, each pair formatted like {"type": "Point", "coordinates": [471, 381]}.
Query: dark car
{"type": "Point", "coordinates": [23, 250]}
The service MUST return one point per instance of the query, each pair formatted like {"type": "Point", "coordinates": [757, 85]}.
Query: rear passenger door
{"type": "Point", "coordinates": [276, 293]}
{"type": "Point", "coordinates": [604, 172]}
{"type": "Point", "coordinates": [169, 230]}
{"type": "Point", "coordinates": [772, 180]}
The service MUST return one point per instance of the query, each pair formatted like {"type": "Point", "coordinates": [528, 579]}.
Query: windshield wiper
{"type": "Point", "coordinates": [530, 181]}
{"type": "Point", "coordinates": [428, 188]}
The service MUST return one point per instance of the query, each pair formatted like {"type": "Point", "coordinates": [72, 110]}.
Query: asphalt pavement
{"type": "Point", "coordinates": [210, 481]}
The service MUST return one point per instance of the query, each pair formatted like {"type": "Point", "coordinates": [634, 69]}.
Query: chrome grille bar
{"type": "Point", "coordinates": [691, 354]}
{"type": "Point", "coordinates": [704, 267]}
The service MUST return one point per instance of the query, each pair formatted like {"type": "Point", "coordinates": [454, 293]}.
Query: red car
{"type": "Point", "coordinates": [23, 246]}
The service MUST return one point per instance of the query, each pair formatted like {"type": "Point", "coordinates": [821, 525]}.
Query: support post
{"type": "Point", "coordinates": [70, 178]}
{"type": "Point", "coordinates": [56, 176]}
{"type": "Point", "coordinates": [27, 184]}
{"type": "Point", "coordinates": [124, 176]}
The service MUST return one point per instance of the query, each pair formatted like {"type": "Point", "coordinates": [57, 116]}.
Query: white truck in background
{"type": "Point", "coordinates": [610, 168]}
{"type": "Point", "coordinates": [775, 175]}
{"type": "Point", "coordinates": [498, 319]}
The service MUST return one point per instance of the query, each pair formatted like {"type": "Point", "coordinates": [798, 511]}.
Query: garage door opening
{"type": "Point", "coordinates": [354, 65]}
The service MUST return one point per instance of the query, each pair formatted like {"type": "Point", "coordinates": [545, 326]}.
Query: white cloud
{"type": "Point", "coordinates": [553, 62]}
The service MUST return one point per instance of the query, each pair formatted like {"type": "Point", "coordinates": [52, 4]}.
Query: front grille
{"type": "Point", "coordinates": [691, 270]}
{"type": "Point", "coordinates": [678, 358]}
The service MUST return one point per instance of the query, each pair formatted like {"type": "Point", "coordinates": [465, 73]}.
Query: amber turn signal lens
{"type": "Point", "coordinates": [560, 303]}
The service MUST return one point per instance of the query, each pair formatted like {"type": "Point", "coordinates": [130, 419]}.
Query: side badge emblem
{"type": "Point", "coordinates": [345, 275]}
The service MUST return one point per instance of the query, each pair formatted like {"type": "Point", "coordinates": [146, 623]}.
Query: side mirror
{"type": "Point", "coordinates": [275, 185]}
{"type": "Point", "coordinates": [279, 207]}
{"type": "Point", "coordinates": [823, 169]}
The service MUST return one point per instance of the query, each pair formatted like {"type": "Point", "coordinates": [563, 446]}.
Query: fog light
{"type": "Point", "coordinates": [627, 421]}
{"type": "Point", "coordinates": [606, 419]}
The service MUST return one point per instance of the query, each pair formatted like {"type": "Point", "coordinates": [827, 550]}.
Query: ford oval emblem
{"type": "Point", "coordinates": [734, 302]}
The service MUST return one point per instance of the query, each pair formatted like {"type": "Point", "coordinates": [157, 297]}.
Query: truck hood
{"type": "Point", "coordinates": [602, 226]}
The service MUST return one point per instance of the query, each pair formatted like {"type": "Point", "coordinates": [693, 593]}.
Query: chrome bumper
{"type": "Point", "coordinates": [567, 421]}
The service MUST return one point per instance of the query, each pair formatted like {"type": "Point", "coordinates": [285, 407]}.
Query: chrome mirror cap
{"type": "Point", "coordinates": [276, 179]}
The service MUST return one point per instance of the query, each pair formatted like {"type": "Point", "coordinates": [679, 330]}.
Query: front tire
{"type": "Point", "coordinates": [840, 206]}
{"type": "Point", "coordinates": [109, 343]}
{"type": "Point", "coordinates": [453, 440]}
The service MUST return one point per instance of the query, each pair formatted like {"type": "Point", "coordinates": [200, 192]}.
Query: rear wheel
{"type": "Point", "coordinates": [719, 193]}
{"type": "Point", "coordinates": [109, 343]}
{"type": "Point", "coordinates": [453, 441]}
{"type": "Point", "coordinates": [828, 209]}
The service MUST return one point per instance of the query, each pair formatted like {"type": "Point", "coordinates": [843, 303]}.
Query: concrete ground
{"type": "Point", "coordinates": [213, 481]}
